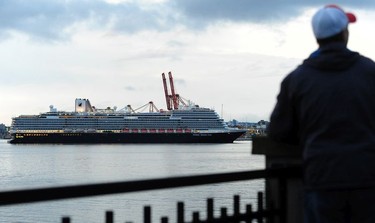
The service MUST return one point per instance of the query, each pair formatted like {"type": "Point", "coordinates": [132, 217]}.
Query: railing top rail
{"type": "Point", "coordinates": [79, 191]}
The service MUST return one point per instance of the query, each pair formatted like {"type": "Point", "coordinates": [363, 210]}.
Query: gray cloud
{"type": "Point", "coordinates": [204, 12]}
{"type": "Point", "coordinates": [201, 13]}
{"type": "Point", "coordinates": [51, 20]}
{"type": "Point", "coordinates": [48, 19]}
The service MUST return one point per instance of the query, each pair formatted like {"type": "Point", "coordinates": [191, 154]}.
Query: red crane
{"type": "Point", "coordinates": [174, 97]}
{"type": "Point", "coordinates": [167, 96]}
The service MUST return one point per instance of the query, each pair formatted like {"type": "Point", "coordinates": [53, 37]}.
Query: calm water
{"type": "Point", "coordinates": [32, 166]}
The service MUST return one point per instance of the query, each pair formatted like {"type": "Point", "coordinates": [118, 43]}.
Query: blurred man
{"type": "Point", "coordinates": [327, 107]}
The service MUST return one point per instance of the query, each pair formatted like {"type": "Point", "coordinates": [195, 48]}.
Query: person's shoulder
{"type": "Point", "coordinates": [299, 71]}
{"type": "Point", "coordinates": [365, 64]}
{"type": "Point", "coordinates": [294, 77]}
{"type": "Point", "coordinates": [366, 60]}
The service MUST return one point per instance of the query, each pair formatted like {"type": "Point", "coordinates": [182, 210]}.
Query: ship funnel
{"type": "Point", "coordinates": [83, 105]}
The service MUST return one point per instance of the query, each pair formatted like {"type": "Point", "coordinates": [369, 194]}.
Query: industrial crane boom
{"type": "Point", "coordinates": [167, 97]}
{"type": "Point", "coordinates": [174, 97]}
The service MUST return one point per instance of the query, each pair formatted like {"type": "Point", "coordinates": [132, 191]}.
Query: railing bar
{"type": "Point", "coordinates": [180, 212]}
{"type": "Point", "coordinates": [236, 204]}
{"type": "Point", "coordinates": [196, 217]}
{"type": "Point", "coordinates": [245, 217]}
{"type": "Point", "coordinates": [109, 217]}
{"type": "Point", "coordinates": [260, 206]}
{"type": "Point", "coordinates": [65, 192]}
{"type": "Point", "coordinates": [147, 214]}
{"type": "Point", "coordinates": [65, 220]}
{"type": "Point", "coordinates": [260, 201]}
{"type": "Point", "coordinates": [164, 220]}
{"type": "Point", "coordinates": [223, 214]}
{"type": "Point", "coordinates": [249, 213]}
{"type": "Point", "coordinates": [236, 207]}
{"type": "Point", "coordinates": [210, 209]}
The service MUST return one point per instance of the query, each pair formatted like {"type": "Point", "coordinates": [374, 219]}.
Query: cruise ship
{"type": "Point", "coordinates": [182, 122]}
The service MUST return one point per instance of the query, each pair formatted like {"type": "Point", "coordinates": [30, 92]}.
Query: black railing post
{"type": "Point", "coordinates": [196, 217]}
{"type": "Point", "coordinates": [147, 214]}
{"type": "Point", "coordinates": [223, 215]}
{"type": "Point", "coordinates": [236, 204]}
{"type": "Point", "coordinates": [249, 213]}
{"type": "Point", "coordinates": [180, 212]}
{"type": "Point", "coordinates": [285, 197]}
{"type": "Point", "coordinates": [260, 206]}
{"type": "Point", "coordinates": [260, 201]}
{"type": "Point", "coordinates": [109, 217]}
{"type": "Point", "coordinates": [236, 207]}
{"type": "Point", "coordinates": [210, 209]}
{"type": "Point", "coordinates": [65, 220]}
{"type": "Point", "coordinates": [164, 220]}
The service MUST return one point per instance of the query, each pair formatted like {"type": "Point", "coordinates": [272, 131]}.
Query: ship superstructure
{"type": "Point", "coordinates": [182, 122]}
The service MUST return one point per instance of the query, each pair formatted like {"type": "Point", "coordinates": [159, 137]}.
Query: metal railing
{"type": "Point", "coordinates": [274, 213]}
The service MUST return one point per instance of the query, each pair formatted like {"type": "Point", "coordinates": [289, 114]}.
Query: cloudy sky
{"type": "Point", "coordinates": [224, 54]}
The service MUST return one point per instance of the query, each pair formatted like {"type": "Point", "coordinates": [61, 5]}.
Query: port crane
{"type": "Point", "coordinates": [167, 96]}
{"type": "Point", "coordinates": [173, 98]}
{"type": "Point", "coordinates": [150, 106]}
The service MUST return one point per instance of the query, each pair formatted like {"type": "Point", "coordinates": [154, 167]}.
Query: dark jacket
{"type": "Point", "coordinates": [327, 107]}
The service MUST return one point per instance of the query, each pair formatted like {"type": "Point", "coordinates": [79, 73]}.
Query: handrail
{"type": "Point", "coordinates": [79, 191]}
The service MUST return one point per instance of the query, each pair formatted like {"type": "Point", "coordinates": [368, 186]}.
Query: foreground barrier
{"type": "Point", "coordinates": [282, 192]}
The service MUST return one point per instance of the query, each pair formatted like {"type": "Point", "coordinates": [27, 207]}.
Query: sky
{"type": "Point", "coordinates": [227, 55]}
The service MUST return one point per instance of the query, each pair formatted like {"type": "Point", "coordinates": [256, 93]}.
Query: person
{"type": "Point", "coordinates": [327, 107]}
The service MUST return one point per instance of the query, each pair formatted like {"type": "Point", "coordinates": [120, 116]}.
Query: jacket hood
{"type": "Point", "coordinates": [334, 56]}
